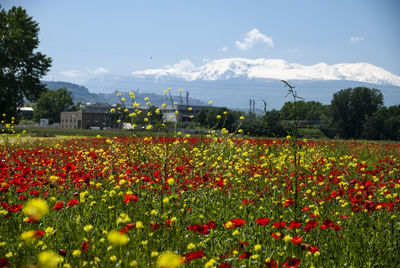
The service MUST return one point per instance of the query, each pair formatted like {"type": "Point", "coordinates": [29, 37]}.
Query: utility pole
{"type": "Point", "coordinates": [250, 101]}
{"type": "Point", "coordinates": [187, 99]}
{"type": "Point", "coordinates": [254, 106]}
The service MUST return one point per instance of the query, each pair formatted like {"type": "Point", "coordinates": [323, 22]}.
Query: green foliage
{"type": "Point", "coordinates": [351, 108]}
{"type": "Point", "coordinates": [52, 102]}
{"type": "Point", "coordinates": [311, 110]}
{"type": "Point", "coordinates": [20, 67]}
{"type": "Point", "coordinates": [384, 124]}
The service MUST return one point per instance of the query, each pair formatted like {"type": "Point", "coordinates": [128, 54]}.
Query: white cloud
{"type": "Point", "coordinates": [71, 73]}
{"type": "Point", "coordinates": [356, 39]}
{"type": "Point", "coordinates": [101, 70]}
{"type": "Point", "coordinates": [252, 37]}
{"type": "Point", "coordinates": [224, 49]}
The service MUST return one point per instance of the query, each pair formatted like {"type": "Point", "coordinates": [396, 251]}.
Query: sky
{"type": "Point", "coordinates": [87, 39]}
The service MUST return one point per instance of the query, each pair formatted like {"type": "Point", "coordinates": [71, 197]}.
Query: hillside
{"type": "Point", "coordinates": [82, 94]}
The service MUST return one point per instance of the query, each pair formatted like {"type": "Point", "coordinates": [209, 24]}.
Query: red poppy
{"type": "Point", "coordinates": [4, 262]}
{"type": "Point", "coordinates": [84, 246]}
{"type": "Point", "coordinates": [271, 264]}
{"type": "Point", "coordinates": [262, 221]}
{"type": "Point", "coordinates": [245, 255]}
{"type": "Point", "coordinates": [238, 222]}
{"type": "Point", "coordinates": [276, 235]}
{"type": "Point", "coordinates": [294, 224]}
{"type": "Point", "coordinates": [62, 252]}
{"type": "Point", "coordinates": [297, 240]}
{"type": "Point", "coordinates": [39, 233]}
{"type": "Point", "coordinates": [58, 206]}
{"type": "Point", "coordinates": [72, 203]}
{"type": "Point", "coordinates": [225, 265]}
{"type": "Point", "coordinates": [130, 198]}
{"type": "Point", "coordinates": [291, 262]}
{"type": "Point", "coordinates": [279, 225]}
{"type": "Point", "coordinates": [193, 255]}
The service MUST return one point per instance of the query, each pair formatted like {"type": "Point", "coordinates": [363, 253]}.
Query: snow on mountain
{"type": "Point", "coordinates": [224, 69]}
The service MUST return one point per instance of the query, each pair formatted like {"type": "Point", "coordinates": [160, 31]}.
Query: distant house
{"type": "Point", "coordinates": [26, 112]}
{"type": "Point", "coordinates": [84, 120]}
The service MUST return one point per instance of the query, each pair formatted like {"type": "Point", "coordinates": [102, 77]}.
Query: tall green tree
{"type": "Point", "coordinates": [51, 103]}
{"type": "Point", "coordinates": [21, 67]}
{"type": "Point", "coordinates": [352, 107]}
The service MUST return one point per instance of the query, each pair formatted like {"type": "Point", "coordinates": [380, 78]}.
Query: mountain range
{"type": "Point", "coordinates": [232, 82]}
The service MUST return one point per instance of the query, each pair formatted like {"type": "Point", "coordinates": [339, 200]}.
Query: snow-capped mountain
{"type": "Point", "coordinates": [225, 69]}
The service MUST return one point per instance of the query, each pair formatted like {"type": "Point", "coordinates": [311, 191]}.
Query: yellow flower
{"type": "Point", "coordinates": [87, 228]}
{"type": "Point", "coordinates": [113, 258]}
{"type": "Point", "coordinates": [122, 99]}
{"type": "Point", "coordinates": [257, 247]}
{"type": "Point", "coordinates": [118, 238]}
{"type": "Point", "coordinates": [76, 253]}
{"type": "Point", "coordinates": [28, 235]}
{"type": "Point", "coordinates": [210, 263]}
{"type": "Point", "coordinates": [236, 232]}
{"type": "Point", "coordinates": [154, 254]}
{"type": "Point", "coordinates": [241, 118]}
{"type": "Point", "coordinates": [169, 259]}
{"type": "Point", "coordinates": [218, 117]}
{"type": "Point", "coordinates": [210, 102]}
{"type": "Point", "coordinates": [190, 108]}
{"type": "Point", "coordinates": [139, 225]}
{"type": "Point", "coordinates": [191, 246]}
{"type": "Point", "coordinates": [35, 208]}
{"type": "Point", "coordinates": [170, 181]}
{"type": "Point", "coordinates": [133, 263]}
{"type": "Point", "coordinates": [112, 110]}
{"type": "Point", "coordinates": [48, 259]}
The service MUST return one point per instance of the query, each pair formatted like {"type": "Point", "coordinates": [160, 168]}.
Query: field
{"type": "Point", "coordinates": [199, 202]}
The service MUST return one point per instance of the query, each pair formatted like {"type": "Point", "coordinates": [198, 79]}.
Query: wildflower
{"type": "Point", "coordinates": [28, 235]}
{"type": "Point", "coordinates": [113, 258]}
{"type": "Point", "coordinates": [170, 181]}
{"type": "Point", "coordinates": [297, 240]}
{"type": "Point", "coordinates": [58, 206]}
{"type": "Point", "coordinates": [262, 221]}
{"type": "Point", "coordinates": [191, 246]}
{"type": "Point", "coordinates": [48, 259]}
{"type": "Point", "coordinates": [139, 225]}
{"type": "Point", "coordinates": [218, 117]}
{"type": "Point", "coordinates": [154, 254]}
{"type": "Point", "coordinates": [169, 259]}
{"type": "Point", "coordinates": [87, 228]}
{"type": "Point", "coordinates": [122, 99]}
{"type": "Point", "coordinates": [210, 263]}
{"type": "Point", "coordinates": [76, 253]}
{"type": "Point", "coordinates": [210, 102]}
{"type": "Point", "coordinates": [241, 117]}
{"type": "Point", "coordinates": [117, 238]}
{"type": "Point", "coordinates": [112, 110]}
{"type": "Point", "coordinates": [35, 208]}
{"type": "Point", "coordinates": [72, 203]}
{"type": "Point", "coordinates": [257, 247]}
{"type": "Point", "coordinates": [291, 262]}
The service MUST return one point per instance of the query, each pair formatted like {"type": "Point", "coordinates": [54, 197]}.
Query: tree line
{"type": "Point", "coordinates": [354, 113]}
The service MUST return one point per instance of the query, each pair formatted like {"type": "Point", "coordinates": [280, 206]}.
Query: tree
{"type": "Point", "coordinates": [352, 107]}
{"type": "Point", "coordinates": [52, 102]}
{"type": "Point", "coordinates": [20, 66]}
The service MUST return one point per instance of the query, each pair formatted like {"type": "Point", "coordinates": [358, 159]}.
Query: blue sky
{"type": "Point", "coordinates": [87, 38]}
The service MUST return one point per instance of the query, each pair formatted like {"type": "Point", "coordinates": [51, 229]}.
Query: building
{"type": "Point", "coordinates": [84, 120]}
{"type": "Point", "coordinates": [26, 112]}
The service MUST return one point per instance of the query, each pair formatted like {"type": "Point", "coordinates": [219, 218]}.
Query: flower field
{"type": "Point", "coordinates": [199, 202]}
